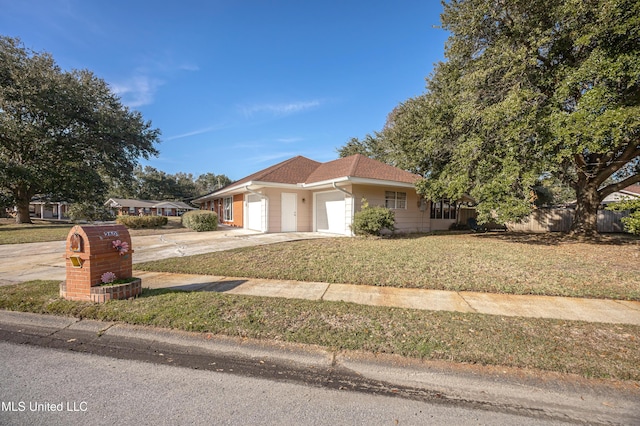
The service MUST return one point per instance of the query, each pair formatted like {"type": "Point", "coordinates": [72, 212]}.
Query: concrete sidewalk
{"type": "Point", "coordinates": [565, 308]}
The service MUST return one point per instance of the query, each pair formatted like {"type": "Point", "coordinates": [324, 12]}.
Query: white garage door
{"type": "Point", "coordinates": [330, 212]}
{"type": "Point", "coordinates": [254, 212]}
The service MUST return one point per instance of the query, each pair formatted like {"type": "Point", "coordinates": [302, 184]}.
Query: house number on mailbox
{"type": "Point", "coordinates": [110, 233]}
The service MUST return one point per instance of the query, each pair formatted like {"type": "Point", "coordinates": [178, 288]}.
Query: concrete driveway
{"type": "Point", "coordinates": [45, 261]}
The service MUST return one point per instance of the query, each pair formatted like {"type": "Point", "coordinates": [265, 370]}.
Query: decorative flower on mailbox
{"type": "Point", "coordinates": [121, 246]}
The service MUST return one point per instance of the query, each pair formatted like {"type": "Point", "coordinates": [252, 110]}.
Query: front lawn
{"type": "Point", "coordinates": [545, 264]}
{"type": "Point", "coordinates": [587, 349]}
{"type": "Point", "coordinates": [42, 231]}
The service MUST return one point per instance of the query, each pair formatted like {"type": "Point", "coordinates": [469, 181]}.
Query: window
{"type": "Point", "coordinates": [395, 200]}
{"type": "Point", "coordinates": [443, 209]}
{"type": "Point", "coordinates": [228, 209]}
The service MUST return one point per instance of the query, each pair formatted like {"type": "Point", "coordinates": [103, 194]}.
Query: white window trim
{"type": "Point", "coordinates": [395, 200]}
{"type": "Point", "coordinates": [230, 210]}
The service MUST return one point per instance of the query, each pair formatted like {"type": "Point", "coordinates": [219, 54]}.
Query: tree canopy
{"type": "Point", "coordinates": [63, 134]}
{"type": "Point", "coordinates": [150, 183]}
{"type": "Point", "coordinates": [529, 89]}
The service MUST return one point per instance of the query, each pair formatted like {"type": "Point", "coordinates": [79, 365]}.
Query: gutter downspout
{"type": "Point", "coordinates": [353, 204]}
{"type": "Point", "coordinates": [266, 212]}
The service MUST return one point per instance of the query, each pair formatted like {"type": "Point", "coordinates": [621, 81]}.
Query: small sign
{"type": "Point", "coordinates": [110, 233]}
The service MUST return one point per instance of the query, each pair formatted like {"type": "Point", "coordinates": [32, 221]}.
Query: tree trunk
{"type": "Point", "coordinates": [23, 198]}
{"type": "Point", "coordinates": [585, 220]}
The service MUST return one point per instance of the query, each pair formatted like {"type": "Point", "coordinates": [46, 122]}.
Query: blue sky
{"type": "Point", "coordinates": [236, 86]}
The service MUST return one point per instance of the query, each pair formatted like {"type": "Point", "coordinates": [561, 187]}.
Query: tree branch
{"type": "Point", "coordinates": [608, 190]}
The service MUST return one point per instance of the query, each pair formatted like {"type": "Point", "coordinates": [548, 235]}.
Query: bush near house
{"type": "Point", "coordinates": [136, 222]}
{"type": "Point", "coordinates": [200, 220]}
{"type": "Point", "coordinates": [632, 222]}
{"type": "Point", "coordinates": [372, 220]}
{"type": "Point", "coordinates": [89, 211]}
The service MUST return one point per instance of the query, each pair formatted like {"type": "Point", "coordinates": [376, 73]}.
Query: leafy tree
{"type": "Point", "coordinates": [631, 222]}
{"type": "Point", "coordinates": [529, 89]}
{"type": "Point", "coordinates": [89, 211]}
{"type": "Point", "coordinates": [62, 134]}
{"type": "Point", "coordinates": [209, 182]}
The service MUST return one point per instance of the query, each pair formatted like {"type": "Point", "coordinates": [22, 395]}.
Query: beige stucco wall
{"type": "Point", "coordinates": [411, 219]}
{"type": "Point", "coordinates": [304, 209]}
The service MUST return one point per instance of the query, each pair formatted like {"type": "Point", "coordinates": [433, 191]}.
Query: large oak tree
{"type": "Point", "coordinates": [529, 88]}
{"type": "Point", "coordinates": [63, 134]}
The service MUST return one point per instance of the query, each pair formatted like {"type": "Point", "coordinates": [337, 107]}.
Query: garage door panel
{"type": "Point", "coordinates": [330, 212]}
{"type": "Point", "coordinates": [254, 212]}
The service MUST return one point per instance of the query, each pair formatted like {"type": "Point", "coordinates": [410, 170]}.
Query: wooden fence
{"type": "Point", "coordinates": [560, 220]}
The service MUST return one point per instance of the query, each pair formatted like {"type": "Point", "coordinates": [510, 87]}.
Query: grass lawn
{"type": "Point", "coordinates": [41, 231]}
{"type": "Point", "coordinates": [544, 264]}
{"type": "Point", "coordinates": [589, 350]}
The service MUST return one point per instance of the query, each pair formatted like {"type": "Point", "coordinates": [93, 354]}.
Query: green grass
{"type": "Point", "coordinates": [43, 231]}
{"type": "Point", "coordinates": [496, 263]}
{"type": "Point", "coordinates": [587, 349]}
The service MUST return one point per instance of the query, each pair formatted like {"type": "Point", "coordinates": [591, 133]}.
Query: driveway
{"type": "Point", "coordinates": [45, 261]}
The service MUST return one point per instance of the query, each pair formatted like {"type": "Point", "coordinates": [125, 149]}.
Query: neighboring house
{"type": "Point", "coordinates": [123, 206]}
{"type": "Point", "coordinates": [303, 195]}
{"type": "Point", "coordinates": [44, 209]}
{"type": "Point", "coordinates": [631, 192]}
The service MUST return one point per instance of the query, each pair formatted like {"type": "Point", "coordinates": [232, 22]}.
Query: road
{"type": "Point", "coordinates": [97, 390]}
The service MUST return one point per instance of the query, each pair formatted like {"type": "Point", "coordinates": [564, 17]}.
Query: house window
{"type": "Point", "coordinates": [132, 210]}
{"type": "Point", "coordinates": [443, 209]}
{"type": "Point", "coordinates": [395, 200]}
{"type": "Point", "coordinates": [228, 209]}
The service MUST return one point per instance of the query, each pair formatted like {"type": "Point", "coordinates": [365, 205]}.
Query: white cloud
{"type": "Point", "coordinates": [281, 109]}
{"type": "Point", "coordinates": [289, 140]}
{"type": "Point", "coordinates": [194, 133]}
{"type": "Point", "coordinates": [270, 157]}
{"type": "Point", "coordinates": [138, 90]}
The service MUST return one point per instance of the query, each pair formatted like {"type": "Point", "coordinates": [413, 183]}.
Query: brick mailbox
{"type": "Point", "coordinates": [96, 256]}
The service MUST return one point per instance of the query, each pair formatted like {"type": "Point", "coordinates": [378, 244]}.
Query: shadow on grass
{"type": "Point", "coordinates": [557, 238]}
{"type": "Point", "coordinates": [214, 287]}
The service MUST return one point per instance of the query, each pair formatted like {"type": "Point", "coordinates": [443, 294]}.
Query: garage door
{"type": "Point", "coordinates": [330, 212]}
{"type": "Point", "coordinates": [254, 212]}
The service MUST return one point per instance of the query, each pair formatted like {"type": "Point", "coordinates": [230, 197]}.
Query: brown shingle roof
{"type": "Point", "coordinates": [361, 167]}
{"type": "Point", "coordinates": [294, 170]}
{"type": "Point", "coordinates": [634, 189]}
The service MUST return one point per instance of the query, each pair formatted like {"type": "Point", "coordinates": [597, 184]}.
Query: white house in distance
{"type": "Point", "coordinates": [125, 206]}
{"type": "Point", "coordinates": [303, 195]}
{"type": "Point", "coordinates": [631, 192]}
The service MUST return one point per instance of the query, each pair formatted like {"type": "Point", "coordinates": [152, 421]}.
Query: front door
{"type": "Point", "coordinates": [289, 212]}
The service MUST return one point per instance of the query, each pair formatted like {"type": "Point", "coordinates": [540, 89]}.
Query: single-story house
{"type": "Point", "coordinates": [631, 192]}
{"type": "Point", "coordinates": [124, 206]}
{"type": "Point", "coordinates": [303, 195]}
{"type": "Point", "coordinates": [45, 209]}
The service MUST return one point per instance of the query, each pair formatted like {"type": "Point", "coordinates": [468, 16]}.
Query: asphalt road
{"type": "Point", "coordinates": [96, 390]}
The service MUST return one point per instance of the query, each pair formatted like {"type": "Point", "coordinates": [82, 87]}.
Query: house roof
{"type": "Point", "coordinates": [127, 202]}
{"type": "Point", "coordinates": [632, 190]}
{"type": "Point", "coordinates": [292, 171]}
{"type": "Point", "coordinates": [359, 166]}
{"type": "Point", "coordinates": [303, 172]}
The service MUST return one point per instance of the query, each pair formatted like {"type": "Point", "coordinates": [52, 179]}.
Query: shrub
{"type": "Point", "coordinates": [135, 222]}
{"type": "Point", "coordinates": [632, 222]}
{"type": "Point", "coordinates": [88, 211]}
{"type": "Point", "coordinates": [200, 220]}
{"type": "Point", "coordinates": [372, 220]}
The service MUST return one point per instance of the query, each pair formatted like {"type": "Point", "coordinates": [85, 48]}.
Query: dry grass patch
{"type": "Point", "coordinates": [590, 350]}
{"type": "Point", "coordinates": [494, 263]}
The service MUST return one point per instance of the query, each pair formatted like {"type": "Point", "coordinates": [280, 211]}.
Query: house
{"type": "Point", "coordinates": [304, 195]}
{"type": "Point", "coordinates": [631, 192]}
{"type": "Point", "coordinates": [44, 209]}
{"type": "Point", "coordinates": [123, 206]}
